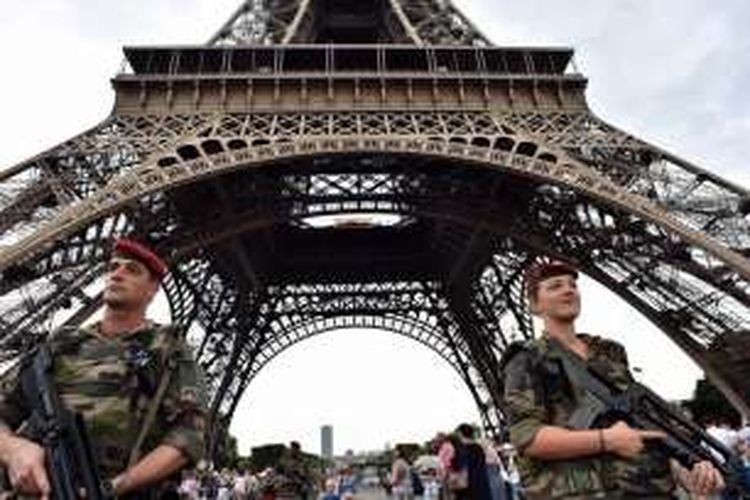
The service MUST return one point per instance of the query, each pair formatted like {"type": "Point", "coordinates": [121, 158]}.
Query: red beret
{"type": "Point", "coordinates": [541, 270]}
{"type": "Point", "coordinates": [142, 254]}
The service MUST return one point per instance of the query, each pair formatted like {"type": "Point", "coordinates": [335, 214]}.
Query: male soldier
{"type": "Point", "coordinates": [556, 461]}
{"type": "Point", "coordinates": [295, 468]}
{"type": "Point", "coordinates": [110, 372]}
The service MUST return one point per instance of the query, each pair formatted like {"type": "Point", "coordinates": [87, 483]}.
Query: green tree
{"type": "Point", "coordinates": [267, 456]}
{"type": "Point", "coordinates": [226, 454]}
{"type": "Point", "coordinates": [410, 451]}
{"type": "Point", "coordinates": [709, 405]}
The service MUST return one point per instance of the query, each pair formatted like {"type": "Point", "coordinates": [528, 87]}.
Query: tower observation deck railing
{"type": "Point", "coordinates": [194, 79]}
{"type": "Point", "coordinates": [298, 60]}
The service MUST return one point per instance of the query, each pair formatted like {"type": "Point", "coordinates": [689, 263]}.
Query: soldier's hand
{"type": "Point", "coordinates": [25, 467]}
{"type": "Point", "coordinates": [623, 440]}
{"type": "Point", "coordinates": [705, 479]}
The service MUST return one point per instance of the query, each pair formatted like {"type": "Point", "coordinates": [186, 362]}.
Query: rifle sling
{"type": "Point", "coordinates": [148, 421]}
{"type": "Point", "coordinates": [582, 376]}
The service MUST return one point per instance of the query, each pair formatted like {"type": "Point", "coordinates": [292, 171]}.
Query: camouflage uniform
{"type": "Point", "coordinates": [537, 393]}
{"type": "Point", "coordinates": [296, 469]}
{"type": "Point", "coordinates": [94, 377]}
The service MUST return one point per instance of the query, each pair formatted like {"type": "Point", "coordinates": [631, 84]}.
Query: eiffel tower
{"type": "Point", "coordinates": [327, 164]}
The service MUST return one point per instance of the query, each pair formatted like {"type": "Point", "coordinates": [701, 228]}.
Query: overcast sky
{"type": "Point", "coordinates": [671, 71]}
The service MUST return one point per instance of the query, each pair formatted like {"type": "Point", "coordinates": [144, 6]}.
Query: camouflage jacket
{"type": "Point", "coordinates": [296, 469]}
{"type": "Point", "coordinates": [111, 383]}
{"type": "Point", "coordinates": [538, 393]}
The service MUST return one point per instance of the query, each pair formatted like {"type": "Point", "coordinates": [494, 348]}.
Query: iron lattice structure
{"type": "Point", "coordinates": [463, 161]}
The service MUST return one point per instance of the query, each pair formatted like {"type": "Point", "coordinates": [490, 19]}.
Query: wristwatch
{"type": "Point", "coordinates": [109, 486]}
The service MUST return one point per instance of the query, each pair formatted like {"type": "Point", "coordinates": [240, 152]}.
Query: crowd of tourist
{"type": "Point", "coordinates": [459, 466]}
{"type": "Point", "coordinates": [734, 438]}
{"type": "Point", "coordinates": [469, 467]}
{"type": "Point", "coordinates": [238, 485]}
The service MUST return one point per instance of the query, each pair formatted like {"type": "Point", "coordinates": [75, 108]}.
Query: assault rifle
{"type": "Point", "coordinates": [71, 467]}
{"type": "Point", "coordinates": [604, 404]}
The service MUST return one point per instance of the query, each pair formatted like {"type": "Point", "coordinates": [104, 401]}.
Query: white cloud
{"type": "Point", "coordinates": [671, 72]}
{"type": "Point", "coordinates": [374, 387]}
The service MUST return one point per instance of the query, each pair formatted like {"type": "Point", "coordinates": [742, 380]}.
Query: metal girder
{"type": "Point", "coordinates": [566, 223]}
{"type": "Point", "coordinates": [420, 22]}
{"type": "Point", "coordinates": [695, 196]}
{"type": "Point", "coordinates": [250, 24]}
{"type": "Point", "coordinates": [438, 22]}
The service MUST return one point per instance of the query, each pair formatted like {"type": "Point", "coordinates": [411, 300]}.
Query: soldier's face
{"type": "Point", "coordinates": [128, 284]}
{"type": "Point", "coordinates": [558, 298]}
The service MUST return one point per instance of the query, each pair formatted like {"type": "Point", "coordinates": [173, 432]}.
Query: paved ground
{"type": "Point", "coordinates": [375, 494]}
{"type": "Point", "coordinates": [372, 495]}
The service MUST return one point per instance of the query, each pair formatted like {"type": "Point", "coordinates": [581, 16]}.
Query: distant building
{"type": "Point", "coordinates": [326, 441]}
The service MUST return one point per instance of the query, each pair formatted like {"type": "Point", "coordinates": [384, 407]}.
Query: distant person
{"type": "Point", "coordinates": [453, 474]}
{"type": "Point", "coordinates": [445, 452]}
{"type": "Point", "coordinates": [210, 485]}
{"type": "Point", "coordinates": [190, 486]}
{"type": "Point", "coordinates": [224, 491]}
{"type": "Point", "coordinates": [347, 483]}
{"type": "Point", "coordinates": [297, 470]}
{"type": "Point", "coordinates": [470, 455]}
{"type": "Point", "coordinates": [494, 470]}
{"type": "Point", "coordinates": [267, 480]}
{"type": "Point", "coordinates": [330, 490]}
{"type": "Point", "coordinates": [400, 477]}
{"type": "Point", "coordinates": [723, 432]}
{"type": "Point", "coordinates": [431, 484]}
{"type": "Point", "coordinates": [743, 447]}
{"type": "Point", "coordinates": [416, 484]}
{"type": "Point", "coordinates": [253, 486]}
{"type": "Point", "coordinates": [241, 485]}
{"type": "Point", "coordinates": [511, 476]}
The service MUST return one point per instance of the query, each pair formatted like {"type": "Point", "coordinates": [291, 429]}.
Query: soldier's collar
{"type": "Point", "coordinates": [545, 341]}
{"type": "Point", "coordinates": [95, 330]}
{"type": "Point", "coordinates": [586, 337]}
